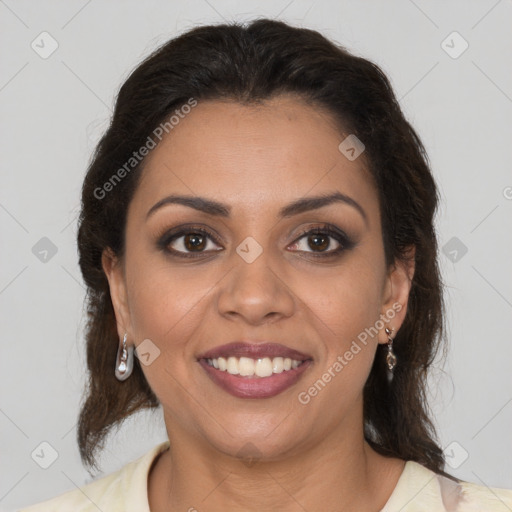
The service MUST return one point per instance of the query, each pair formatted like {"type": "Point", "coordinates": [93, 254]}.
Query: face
{"type": "Point", "coordinates": [254, 274]}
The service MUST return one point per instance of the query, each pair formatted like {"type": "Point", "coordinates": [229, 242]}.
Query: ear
{"type": "Point", "coordinates": [396, 294]}
{"type": "Point", "coordinates": [113, 268]}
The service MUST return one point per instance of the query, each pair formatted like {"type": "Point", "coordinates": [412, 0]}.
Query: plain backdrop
{"type": "Point", "coordinates": [449, 63]}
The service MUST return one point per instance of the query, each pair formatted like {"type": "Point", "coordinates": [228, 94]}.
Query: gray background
{"type": "Point", "coordinates": [53, 111]}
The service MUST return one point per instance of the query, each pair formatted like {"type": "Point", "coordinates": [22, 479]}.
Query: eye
{"type": "Point", "coordinates": [185, 242]}
{"type": "Point", "coordinates": [323, 241]}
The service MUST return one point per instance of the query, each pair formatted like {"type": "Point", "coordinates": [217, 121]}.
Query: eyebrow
{"type": "Point", "coordinates": [296, 207]}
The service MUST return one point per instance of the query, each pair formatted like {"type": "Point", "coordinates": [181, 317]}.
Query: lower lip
{"type": "Point", "coordinates": [255, 387]}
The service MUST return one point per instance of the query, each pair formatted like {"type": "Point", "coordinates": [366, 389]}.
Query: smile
{"type": "Point", "coordinates": [254, 370]}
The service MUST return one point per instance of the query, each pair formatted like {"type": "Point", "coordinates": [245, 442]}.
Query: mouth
{"type": "Point", "coordinates": [248, 370]}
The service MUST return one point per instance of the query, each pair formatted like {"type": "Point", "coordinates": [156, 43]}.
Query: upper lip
{"type": "Point", "coordinates": [253, 350]}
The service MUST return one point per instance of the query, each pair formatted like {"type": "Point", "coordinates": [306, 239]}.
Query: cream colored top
{"type": "Point", "coordinates": [418, 490]}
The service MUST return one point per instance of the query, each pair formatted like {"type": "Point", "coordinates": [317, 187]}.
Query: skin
{"type": "Point", "coordinates": [256, 160]}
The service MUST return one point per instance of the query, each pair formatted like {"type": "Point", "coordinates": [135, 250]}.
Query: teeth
{"type": "Point", "coordinates": [277, 365]}
{"type": "Point", "coordinates": [263, 367]}
{"type": "Point", "coordinates": [248, 367]}
{"type": "Point", "coordinates": [233, 366]}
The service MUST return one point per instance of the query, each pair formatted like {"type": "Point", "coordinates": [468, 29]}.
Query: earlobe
{"type": "Point", "coordinates": [113, 269]}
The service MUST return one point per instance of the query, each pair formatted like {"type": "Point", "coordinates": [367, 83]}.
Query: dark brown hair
{"type": "Point", "coordinates": [249, 64]}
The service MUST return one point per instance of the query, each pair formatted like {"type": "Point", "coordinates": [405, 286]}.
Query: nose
{"type": "Point", "coordinates": [256, 292]}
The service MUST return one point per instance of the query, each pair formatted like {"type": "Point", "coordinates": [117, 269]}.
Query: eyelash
{"type": "Point", "coordinates": [326, 230]}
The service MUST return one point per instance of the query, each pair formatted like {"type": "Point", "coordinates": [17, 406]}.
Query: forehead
{"type": "Point", "coordinates": [253, 155]}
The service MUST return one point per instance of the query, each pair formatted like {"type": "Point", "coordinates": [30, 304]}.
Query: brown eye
{"type": "Point", "coordinates": [322, 241]}
{"type": "Point", "coordinates": [189, 243]}
{"type": "Point", "coordinates": [318, 241]}
{"type": "Point", "coordinates": [194, 241]}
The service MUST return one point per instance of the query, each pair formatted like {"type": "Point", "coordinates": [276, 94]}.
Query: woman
{"type": "Point", "coordinates": [257, 223]}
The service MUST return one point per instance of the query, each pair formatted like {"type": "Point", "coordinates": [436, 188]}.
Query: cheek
{"type": "Point", "coordinates": [165, 303]}
{"type": "Point", "coordinates": [347, 301]}
{"type": "Point", "coordinates": [345, 307]}
{"type": "Point", "coordinates": [344, 313]}
{"type": "Point", "coordinates": [169, 305]}
{"type": "Point", "coordinates": [166, 308]}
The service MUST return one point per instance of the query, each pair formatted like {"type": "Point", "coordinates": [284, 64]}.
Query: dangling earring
{"type": "Point", "coordinates": [390, 356]}
{"type": "Point", "coordinates": [124, 362]}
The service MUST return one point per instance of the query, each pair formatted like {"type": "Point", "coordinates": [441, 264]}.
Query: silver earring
{"type": "Point", "coordinates": [390, 356]}
{"type": "Point", "coordinates": [124, 362]}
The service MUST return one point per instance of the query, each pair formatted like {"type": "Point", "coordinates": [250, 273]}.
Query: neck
{"type": "Point", "coordinates": [342, 472]}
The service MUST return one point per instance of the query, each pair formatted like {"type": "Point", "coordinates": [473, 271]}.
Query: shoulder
{"type": "Point", "coordinates": [420, 489]}
{"type": "Point", "coordinates": [123, 491]}
{"type": "Point", "coordinates": [480, 497]}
